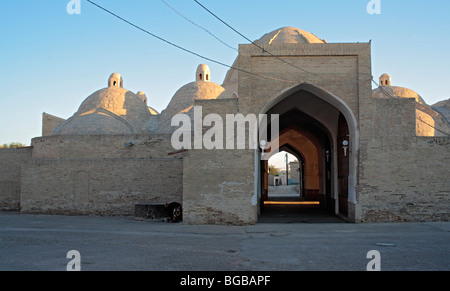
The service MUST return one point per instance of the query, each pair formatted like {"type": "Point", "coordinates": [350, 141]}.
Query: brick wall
{"type": "Point", "coordinates": [92, 174]}
{"type": "Point", "coordinates": [103, 147]}
{"type": "Point", "coordinates": [11, 161]}
{"type": "Point", "coordinates": [403, 177]}
{"type": "Point", "coordinates": [218, 184]}
{"type": "Point", "coordinates": [101, 187]}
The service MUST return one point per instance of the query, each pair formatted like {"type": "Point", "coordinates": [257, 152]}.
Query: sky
{"type": "Point", "coordinates": [50, 61]}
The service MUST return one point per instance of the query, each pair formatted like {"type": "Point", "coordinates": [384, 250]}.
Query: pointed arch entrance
{"type": "Point", "coordinates": [321, 129]}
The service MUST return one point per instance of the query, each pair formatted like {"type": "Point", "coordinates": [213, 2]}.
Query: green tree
{"type": "Point", "coordinates": [274, 170]}
{"type": "Point", "coordinates": [12, 145]}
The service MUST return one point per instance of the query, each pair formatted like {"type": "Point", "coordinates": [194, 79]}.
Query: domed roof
{"type": "Point", "coordinates": [386, 90]}
{"type": "Point", "coordinates": [111, 110]}
{"type": "Point", "coordinates": [397, 92]}
{"type": "Point", "coordinates": [443, 103]}
{"type": "Point", "coordinates": [143, 97]}
{"type": "Point", "coordinates": [152, 111]}
{"type": "Point", "coordinates": [184, 99]}
{"type": "Point", "coordinates": [443, 107]}
{"type": "Point", "coordinates": [96, 123]}
{"type": "Point", "coordinates": [289, 35]}
{"type": "Point", "coordinates": [284, 35]}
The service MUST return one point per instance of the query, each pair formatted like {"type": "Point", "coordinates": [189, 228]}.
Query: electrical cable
{"type": "Point", "coordinates": [268, 52]}
{"type": "Point", "coordinates": [184, 49]}
{"type": "Point", "coordinates": [199, 26]}
{"type": "Point", "coordinates": [255, 44]}
{"type": "Point", "coordinates": [417, 117]}
{"type": "Point", "coordinates": [223, 64]}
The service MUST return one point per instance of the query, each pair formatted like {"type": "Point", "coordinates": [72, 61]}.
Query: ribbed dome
{"type": "Point", "coordinates": [112, 110]}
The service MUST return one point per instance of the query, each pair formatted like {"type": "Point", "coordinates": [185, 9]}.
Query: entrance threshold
{"type": "Point", "coordinates": [295, 210]}
{"type": "Point", "coordinates": [291, 203]}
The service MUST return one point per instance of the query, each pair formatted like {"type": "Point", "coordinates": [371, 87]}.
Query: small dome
{"type": "Point", "coordinates": [388, 90]}
{"type": "Point", "coordinates": [396, 92]}
{"type": "Point", "coordinates": [186, 95]}
{"type": "Point", "coordinates": [95, 124]}
{"type": "Point", "coordinates": [184, 98]}
{"type": "Point", "coordinates": [203, 73]}
{"type": "Point", "coordinates": [115, 80]}
{"type": "Point", "coordinates": [111, 110]}
{"type": "Point", "coordinates": [428, 121]}
{"type": "Point", "coordinates": [443, 107]}
{"type": "Point", "coordinates": [385, 80]}
{"type": "Point", "coordinates": [142, 96]}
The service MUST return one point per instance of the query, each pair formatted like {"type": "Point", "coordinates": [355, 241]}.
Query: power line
{"type": "Point", "coordinates": [255, 44]}
{"type": "Point", "coordinates": [220, 63]}
{"type": "Point", "coordinates": [197, 54]}
{"type": "Point", "coordinates": [199, 26]}
{"type": "Point", "coordinates": [184, 49]}
{"type": "Point", "coordinates": [268, 52]}
{"type": "Point", "coordinates": [417, 117]}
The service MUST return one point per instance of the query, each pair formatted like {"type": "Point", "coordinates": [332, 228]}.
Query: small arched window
{"type": "Point", "coordinates": [201, 77]}
{"type": "Point", "coordinates": [207, 77]}
{"type": "Point", "coordinates": [115, 84]}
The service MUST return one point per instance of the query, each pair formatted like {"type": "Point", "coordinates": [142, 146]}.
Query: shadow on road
{"type": "Point", "coordinates": [293, 213]}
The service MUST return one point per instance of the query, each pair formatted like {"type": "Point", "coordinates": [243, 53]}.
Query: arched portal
{"type": "Point", "coordinates": [321, 129]}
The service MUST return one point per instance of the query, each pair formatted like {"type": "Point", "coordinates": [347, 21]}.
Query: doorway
{"type": "Point", "coordinates": [317, 133]}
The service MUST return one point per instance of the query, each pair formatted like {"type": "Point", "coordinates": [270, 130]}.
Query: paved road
{"type": "Point", "coordinates": [41, 242]}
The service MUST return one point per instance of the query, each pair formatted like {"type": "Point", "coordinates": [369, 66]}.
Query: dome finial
{"type": "Point", "coordinates": [115, 80]}
{"type": "Point", "coordinates": [203, 73]}
{"type": "Point", "coordinates": [385, 80]}
{"type": "Point", "coordinates": [142, 96]}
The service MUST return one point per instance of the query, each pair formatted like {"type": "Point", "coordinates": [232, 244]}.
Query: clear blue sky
{"type": "Point", "coordinates": [51, 61]}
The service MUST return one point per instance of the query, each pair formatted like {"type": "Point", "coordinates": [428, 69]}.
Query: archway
{"type": "Point", "coordinates": [321, 129]}
{"type": "Point", "coordinates": [285, 176]}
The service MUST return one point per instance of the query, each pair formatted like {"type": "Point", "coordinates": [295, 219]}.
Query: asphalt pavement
{"type": "Point", "coordinates": [42, 243]}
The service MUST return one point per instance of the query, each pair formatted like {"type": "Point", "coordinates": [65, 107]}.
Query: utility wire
{"type": "Point", "coordinates": [199, 26]}
{"type": "Point", "coordinates": [184, 49]}
{"type": "Point", "coordinates": [194, 53]}
{"type": "Point", "coordinates": [417, 117]}
{"type": "Point", "coordinates": [255, 44]}
{"type": "Point", "coordinates": [268, 52]}
{"type": "Point", "coordinates": [220, 63]}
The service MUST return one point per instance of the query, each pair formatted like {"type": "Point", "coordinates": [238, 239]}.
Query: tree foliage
{"type": "Point", "coordinates": [13, 145]}
{"type": "Point", "coordinates": [274, 170]}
